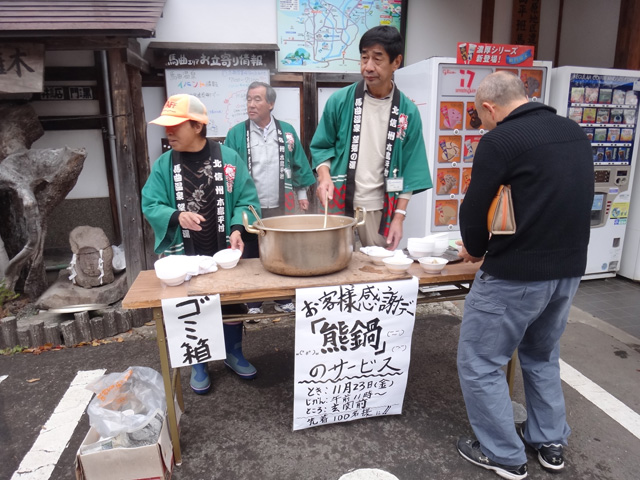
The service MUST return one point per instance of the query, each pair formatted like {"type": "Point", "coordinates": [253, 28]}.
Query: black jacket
{"type": "Point", "coordinates": [548, 162]}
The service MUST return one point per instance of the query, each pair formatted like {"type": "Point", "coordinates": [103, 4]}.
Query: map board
{"type": "Point", "coordinates": [324, 36]}
{"type": "Point", "coordinates": [224, 92]}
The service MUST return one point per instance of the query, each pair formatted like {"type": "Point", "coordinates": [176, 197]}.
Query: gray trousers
{"type": "Point", "coordinates": [501, 316]}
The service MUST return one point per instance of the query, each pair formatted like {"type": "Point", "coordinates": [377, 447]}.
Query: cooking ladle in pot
{"type": "Point", "coordinates": [255, 214]}
{"type": "Point", "coordinates": [326, 208]}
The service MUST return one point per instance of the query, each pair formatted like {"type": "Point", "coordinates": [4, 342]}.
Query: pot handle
{"type": "Point", "coordinates": [250, 228]}
{"type": "Point", "coordinates": [360, 211]}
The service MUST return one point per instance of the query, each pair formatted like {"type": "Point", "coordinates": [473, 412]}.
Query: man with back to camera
{"type": "Point", "coordinates": [276, 162]}
{"type": "Point", "coordinates": [522, 294]}
{"type": "Point", "coordinates": [368, 149]}
{"type": "Point", "coordinates": [194, 199]}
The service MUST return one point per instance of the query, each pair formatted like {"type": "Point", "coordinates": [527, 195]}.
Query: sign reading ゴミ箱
{"type": "Point", "coordinates": [194, 329]}
{"type": "Point", "coordinates": [494, 54]}
{"type": "Point", "coordinates": [21, 67]}
{"type": "Point", "coordinates": [352, 351]}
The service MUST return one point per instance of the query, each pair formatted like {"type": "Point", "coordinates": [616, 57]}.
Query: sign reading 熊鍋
{"type": "Point", "coordinates": [494, 54]}
{"type": "Point", "coordinates": [353, 346]}
{"type": "Point", "coordinates": [21, 67]}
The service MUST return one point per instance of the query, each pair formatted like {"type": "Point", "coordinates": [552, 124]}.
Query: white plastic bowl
{"type": "Point", "coordinates": [432, 264]}
{"type": "Point", "coordinates": [419, 251]}
{"type": "Point", "coordinates": [377, 254]}
{"type": "Point", "coordinates": [397, 264]}
{"type": "Point", "coordinates": [420, 247]}
{"type": "Point", "coordinates": [227, 258]}
{"type": "Point", "coordinates": [171, 270]}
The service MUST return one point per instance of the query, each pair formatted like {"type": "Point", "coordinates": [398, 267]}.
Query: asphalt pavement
{"type": "Point", "coordinates": [243, 429]}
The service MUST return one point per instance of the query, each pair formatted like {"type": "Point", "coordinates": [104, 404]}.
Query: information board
{"type": "Point", "coordinates": [224, 92]}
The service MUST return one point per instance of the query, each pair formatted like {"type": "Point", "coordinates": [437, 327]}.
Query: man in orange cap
{"type": "Point", "coordinates": [194, 199]}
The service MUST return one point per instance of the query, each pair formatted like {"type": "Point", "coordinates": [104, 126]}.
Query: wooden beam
{"type": "Point", "coordinates": [556, 56]}
{"type": "Point", "coordinates": [80, 42]}
{"type": "Point", "coordinates": [627, 54]}
{"type": "Point", "coordinates": [71, 74]}
{"type": "Point", "coordinates": [141, 155]}
{"type": "Point", "coordinates": [137, 61]}
{"type": "Point", "coordinates": [486, 21]}
{"type": "Point", "coordinates": [132, 221]}
{"type": "Point", "coordinates": [310, 108]}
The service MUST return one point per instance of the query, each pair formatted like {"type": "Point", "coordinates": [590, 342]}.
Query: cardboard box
{"type": "Point", "coordinates": [151, 462]}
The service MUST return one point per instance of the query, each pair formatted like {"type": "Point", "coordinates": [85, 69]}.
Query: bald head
{"type": "Point", "coordinates": [501, 88]}
{"type": "Point", "coordinates": [497, 96]}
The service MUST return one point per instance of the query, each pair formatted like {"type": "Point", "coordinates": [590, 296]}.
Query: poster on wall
{"type": "Point", "coordinates": [324, 36]}
{"type": "Point", "coordinates": [224, 92]}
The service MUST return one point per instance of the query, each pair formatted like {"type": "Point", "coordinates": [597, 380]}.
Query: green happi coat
{"type": "Point", "coordinates": [332, 141]}
{"type": "Point", "coordinates": [159, 200]}
{"type": "Point", "coordinates": [295, 160]}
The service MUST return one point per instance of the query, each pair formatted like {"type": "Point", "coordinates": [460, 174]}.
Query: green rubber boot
{"type": "Point", "coordinates": [200, 381]}
{"type": "Point", "coordinates": [235, 359]}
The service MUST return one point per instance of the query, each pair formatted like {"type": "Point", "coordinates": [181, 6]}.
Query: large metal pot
{"type": "Point", "coordinates": [300, 246]}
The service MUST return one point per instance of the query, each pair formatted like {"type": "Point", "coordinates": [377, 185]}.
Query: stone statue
{"type": "Point", "coordinates": [92, 261]}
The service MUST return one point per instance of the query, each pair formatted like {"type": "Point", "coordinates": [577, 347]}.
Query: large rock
{"type": "Point", "coordinates": [63, 293]}
{"type": "Point", "coordinates": [20, 127]}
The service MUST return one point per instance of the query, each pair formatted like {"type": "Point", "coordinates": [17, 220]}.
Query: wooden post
{"type": "Point", "coordinates": [486, 21]}
{"type": "Point", "coordinates": [142, 158]}
{"type": "Point", "coordinates": [627, 54]}
{"type": "Point", "coordinates": [310, 120]}
{"type": "Point", "coordinates": [127, 164]}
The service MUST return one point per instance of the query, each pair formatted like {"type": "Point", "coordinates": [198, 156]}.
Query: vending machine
{"type": "Point", "coordinates": [604, 102]}
{"type": "Point", "coordinates": [444, 92]}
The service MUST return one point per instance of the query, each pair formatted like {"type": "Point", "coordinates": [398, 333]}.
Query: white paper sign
{"type": "Point", "coordinates": [353, 346]}
{"type": "Point", "coordinates": [194, 329]}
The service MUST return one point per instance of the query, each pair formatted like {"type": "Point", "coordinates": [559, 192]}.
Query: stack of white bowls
{"type": "Point", "coordinates": [421, 247]}
{"type": "Point", "coordinates": [441, 244]}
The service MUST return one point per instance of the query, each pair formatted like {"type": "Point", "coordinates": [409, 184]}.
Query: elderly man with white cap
{"type": "Point", "coordinates": [194, 199]}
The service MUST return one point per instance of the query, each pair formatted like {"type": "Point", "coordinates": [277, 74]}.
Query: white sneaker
{"type": "Point", "coordinates": [285, 307]}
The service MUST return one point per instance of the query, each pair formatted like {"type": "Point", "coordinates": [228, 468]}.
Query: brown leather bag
{"type": "Point", "coordinates": [501, 219]}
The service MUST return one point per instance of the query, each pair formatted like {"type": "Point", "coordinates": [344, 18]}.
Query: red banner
{"type": "Point", "coordinates": [494, 54]}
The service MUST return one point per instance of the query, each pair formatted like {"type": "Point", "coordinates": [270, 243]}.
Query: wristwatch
{"type": "Point", "coordinates": [403, 212]}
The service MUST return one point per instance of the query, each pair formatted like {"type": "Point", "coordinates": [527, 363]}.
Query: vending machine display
{"type": "Point", "coordinates": [604, 102]}
{"type": "Point", "coordinates": [444, 93]}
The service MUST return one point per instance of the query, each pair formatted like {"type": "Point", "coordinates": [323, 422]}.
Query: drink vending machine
{"type": "Point", "coordinates": [604, 102]}
{"type": "Point", "coordinates": [444, 93]}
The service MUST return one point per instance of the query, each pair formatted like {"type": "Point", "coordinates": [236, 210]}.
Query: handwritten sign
{"type": "Point", "coordinates": [21, 67]}
{"type": "Point", "coordinates": [224, 92]}
{"type": "Point", "coordinates": [353, 345]}
{"type": "Point", "coordinates": [194, 329]}
{"type": "Point", "coordinates": [494, 54]}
